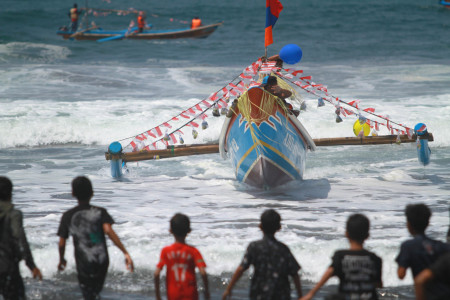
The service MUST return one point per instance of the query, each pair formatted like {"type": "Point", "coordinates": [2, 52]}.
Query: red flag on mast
{"type": "Point", "coordinates": [273, 10]}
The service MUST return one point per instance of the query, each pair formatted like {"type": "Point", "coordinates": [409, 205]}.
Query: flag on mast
{"type": "Point", "coordinates": [273, 10]}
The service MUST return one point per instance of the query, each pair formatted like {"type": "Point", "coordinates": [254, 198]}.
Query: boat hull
{"type": "Point", "coordinates": [97, 34]}
{"type": "Point", "coordinates": [270, 150]}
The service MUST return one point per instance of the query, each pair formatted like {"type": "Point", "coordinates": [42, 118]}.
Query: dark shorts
{"type": "Point", "coordinates": [92, 284]}
{"type": "Point", "coordinates": [11, 285]}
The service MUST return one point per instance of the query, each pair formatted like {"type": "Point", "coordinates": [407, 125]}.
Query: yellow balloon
{"type": "Point", "coordinates": [357, 127]}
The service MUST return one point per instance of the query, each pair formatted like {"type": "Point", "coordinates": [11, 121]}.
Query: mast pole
{"type": "Point", "coordinates": [86, 14]}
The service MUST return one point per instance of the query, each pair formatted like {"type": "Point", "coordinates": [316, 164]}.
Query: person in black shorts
{"type": "Point", "coordinates": [358, 270]}
{"type": "Point", "coordinates": [87, 224]}
{"type": "Point", "coordinates": [273, 263]}
{"type": "Point", "coordinates": [421, 251]}
{"type": "Point", "coordinates": [13, 246]}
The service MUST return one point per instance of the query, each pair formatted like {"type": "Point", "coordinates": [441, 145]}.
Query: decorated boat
{"type": "Point", "coordinates": [264, 140]}
{"type": "Point", "coordinates": [266, 143]}
{"type": "Point", "coordinates": [98, 34]}
{"type": "Point", "coordinates": [445, 3]}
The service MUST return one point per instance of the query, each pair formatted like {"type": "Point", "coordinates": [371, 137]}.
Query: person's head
{"type": "Point", "coordinates": [357, 228]}
{"type": "Point", "coordinates": [75, 5]}
{"type": "Point", "coordinates": [270, 222]}
{"type": "Point", "coordinates": [82, 189]}
{"type": "Point", "coordinates": [180, 225]}
{"type": "Point", "coordinates": [417, 217]}
{"type": "Point", "coordinates": [269, 81]}
{"type": "Point", "coordinates": [5, 189]}
{"type": "Point", "coordinates": [141, 13]}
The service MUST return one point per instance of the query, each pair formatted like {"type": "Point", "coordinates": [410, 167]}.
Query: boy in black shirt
{"type": "Point", "coordinates": [420, 252]}
{"type": "Point", "coordinates": [273, 263]}
{"type": "Point", "coordinates": [358, 270]}
{"type": "Point", "coordinates": [88, 224]}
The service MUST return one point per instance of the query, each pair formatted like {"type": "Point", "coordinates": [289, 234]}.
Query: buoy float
{"type": "Point", "coordinates": [116, 163]}
{"type": "Point", "coordinates": [423, 150]}
{"type": "Point", "coordinates": [358, 127]}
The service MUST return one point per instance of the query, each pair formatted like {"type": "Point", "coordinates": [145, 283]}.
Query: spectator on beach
{"type": "Point", "coordinates": [358, 270]}
{"type": "Point", "coordinates": [196, 22]}
{"type": "Point", "coordinates": [421, 251]}
{"type": "Point", "coordinates": [181, 260]}
{"type": "Point", "coordinates": [13, 246]}
{"type": "Point", "coordinates": [273, 264]}
{"type": "Point", "coordinates": [438, 272]}
{"type": "Point", "coordinates": [73, 15]}
{"type": "Point", "coordinates": [87, 224]}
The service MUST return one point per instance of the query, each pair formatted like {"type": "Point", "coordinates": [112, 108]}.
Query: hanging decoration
{"type": "Point", "coordinates": [159, 137]}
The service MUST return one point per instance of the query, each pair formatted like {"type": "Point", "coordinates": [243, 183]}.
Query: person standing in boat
{"type": "Point", "coordinates": [73, 15]}
{"type": "Point", "coordinates": [196, 22]}
{"type": "Point", "coordinates": [141, 22]}
{"type": "Point", "coordinates": [270, 84]}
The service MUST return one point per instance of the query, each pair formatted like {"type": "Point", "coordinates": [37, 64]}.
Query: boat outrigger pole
{"type": "Point", "coordinates": [186, 150]}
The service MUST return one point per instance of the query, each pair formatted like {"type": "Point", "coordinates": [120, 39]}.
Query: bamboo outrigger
{"type": "Point", "coordinates": [186, 150]}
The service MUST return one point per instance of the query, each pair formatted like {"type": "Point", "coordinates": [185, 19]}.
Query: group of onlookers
{"type": "Point", "coordinates": [358, 270]}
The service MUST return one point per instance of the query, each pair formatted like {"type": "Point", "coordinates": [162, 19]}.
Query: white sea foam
{"type": "Point", "coordinates": [32, 52]}
{"type": "Point", "coordinates": [115, 103]}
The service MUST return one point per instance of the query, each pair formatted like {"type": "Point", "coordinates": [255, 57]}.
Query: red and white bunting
{"type": "Point", "coordinates": [267, 67]}
{"type": "Point", "coordinates": [205, 103]}
{"type": "Point", "coordinates": [173, 138]}
{"type": "Point", "coordinates": [150, 133]}
{"type": "Point", "coordinates": [166, 125]}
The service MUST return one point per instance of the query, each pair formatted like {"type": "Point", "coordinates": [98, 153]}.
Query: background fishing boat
{"type": "Point", "coordinates": [100, 34]}
{"type": "Point", "coordinates": [87, 29]}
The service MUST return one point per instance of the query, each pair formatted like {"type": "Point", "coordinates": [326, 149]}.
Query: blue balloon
{"type": "Point", "coordinates": [291, 54]}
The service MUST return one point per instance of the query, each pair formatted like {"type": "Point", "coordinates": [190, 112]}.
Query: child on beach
{"type": "Point", "coordinates": [420, 252]}
{"type": "Point", "coordinates": [13, 246]}
{"type": "Point", "coordinates": [88, 224]}
{"type": "Point", "coordinates": [438, 272]}
{"type": "Point", "coordinates": [180, 260]}
{"type": "Point", "coordinates": [358, 270]}
{"type": "Point", "coordinates": [273, 263]}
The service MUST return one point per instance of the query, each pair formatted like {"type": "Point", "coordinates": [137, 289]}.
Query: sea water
{"type": "Point", "coordinates": [63, 102]}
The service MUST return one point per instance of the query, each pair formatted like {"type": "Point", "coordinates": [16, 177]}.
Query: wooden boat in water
{"type": "Point", "coordinates": [97, 34]}
{"type": "Point", "coordinates": [266, 143]}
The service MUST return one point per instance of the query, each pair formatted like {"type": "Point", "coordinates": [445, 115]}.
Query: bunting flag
{"type": "Point", "coordinates": [273, 10]}
{"type": "Point", "coordinates": [164, 134]}
{"type": "Point", "coordinates": [344, 108]}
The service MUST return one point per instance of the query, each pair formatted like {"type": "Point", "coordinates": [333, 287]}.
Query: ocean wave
{"type": "Point", "coordinates": [24, 52]}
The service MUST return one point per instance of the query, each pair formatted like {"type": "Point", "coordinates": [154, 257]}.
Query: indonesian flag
{"type": "Point", "coordinates": [273, 10]}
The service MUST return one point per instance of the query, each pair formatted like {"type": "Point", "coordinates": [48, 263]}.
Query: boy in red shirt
{"type": "Point", "coordinates": [181, 260]}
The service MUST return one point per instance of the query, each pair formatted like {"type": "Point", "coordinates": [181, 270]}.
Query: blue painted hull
{"type": "Point", "coordinates": [272, 154]}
